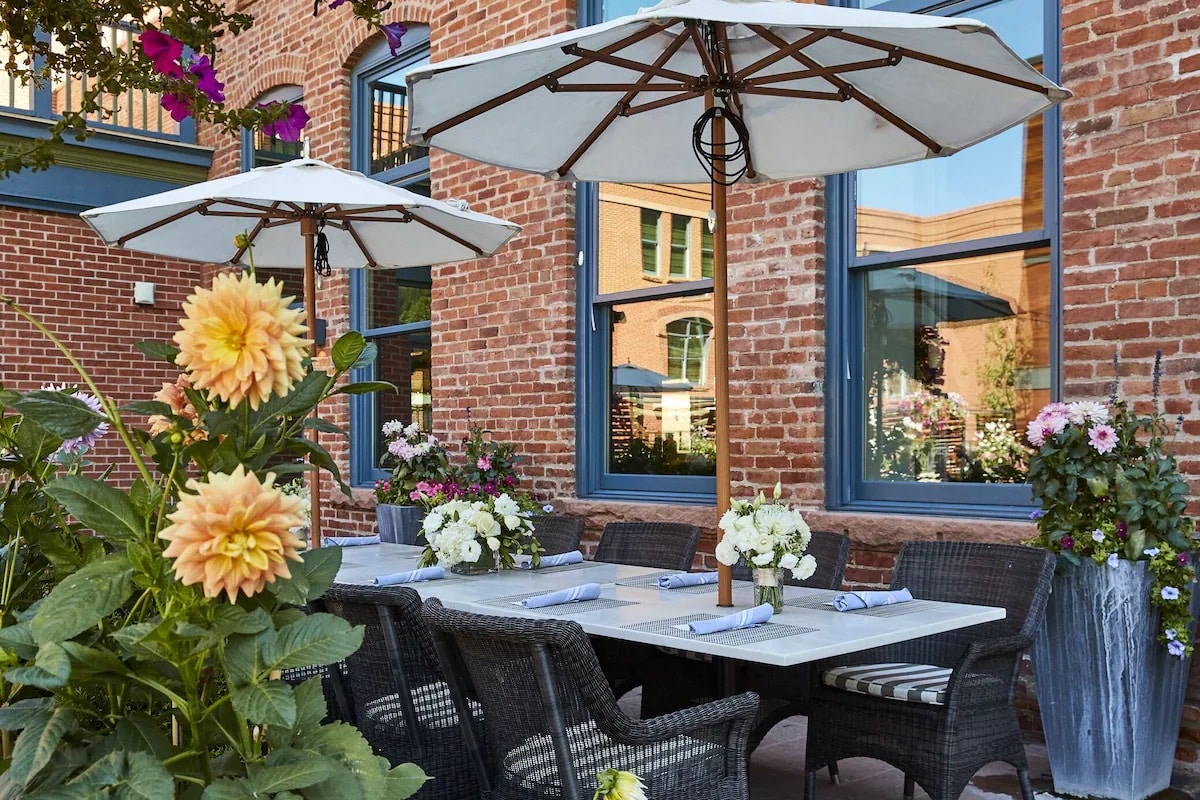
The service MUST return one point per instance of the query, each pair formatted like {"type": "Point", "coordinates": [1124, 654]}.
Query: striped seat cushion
{"type": "Point", "coordinates": [913, 683]}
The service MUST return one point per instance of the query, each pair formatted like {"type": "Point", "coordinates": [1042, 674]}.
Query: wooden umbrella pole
{"type": "Point", "coordinates": [308, 229]}
{"type": "Point", "coordinates": [721, 345]}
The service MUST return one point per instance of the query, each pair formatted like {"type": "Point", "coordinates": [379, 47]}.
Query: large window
{"type": "Point", "coordinates": [646, 400]}
{"type": "Point", "coordinates": [390, 307]}
{"type": "Point", "coordinates": [942, 339]}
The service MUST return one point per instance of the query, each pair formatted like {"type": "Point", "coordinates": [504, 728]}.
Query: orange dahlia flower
{"type": "Point", "coordinates": [240, 340]}
{"type": "Point", "coordinates": [234, 534]}
{"type": "Point", "coordinates": [175, 395]}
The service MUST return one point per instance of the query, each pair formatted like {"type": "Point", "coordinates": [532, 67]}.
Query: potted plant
{"type": "Point", "coordinates": [1111, 660]}
{"type": "Point", "coordinates": [414, 457]}
{"type": "Point", "coordinates": [770, 537]}
{"type": "Point", "coordinates": [480, 533]}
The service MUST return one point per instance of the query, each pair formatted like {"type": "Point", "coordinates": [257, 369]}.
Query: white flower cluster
{"type": "Point", "coordinates": [458, 530]}
{"type": "Point", "coordinates": [766, 535]}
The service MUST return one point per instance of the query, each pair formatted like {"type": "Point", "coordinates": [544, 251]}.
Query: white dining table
{"type": "Point", "coordinates": [633, 609]}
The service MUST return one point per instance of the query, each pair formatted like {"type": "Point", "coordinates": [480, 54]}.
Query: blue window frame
{"type": "Point", "coordinates": [390, 307]}
{"type": "Point", "coordinates": [645, 397]}
{"type": "Point", "coordinates": [943, 325]}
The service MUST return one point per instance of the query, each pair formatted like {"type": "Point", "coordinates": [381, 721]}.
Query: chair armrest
{"type": "Point", "coordinates": [972, 673]}
{"type": "Point", "coordinates": [987, 648]}
{"type": "Point", "coordinates": [728, 710]}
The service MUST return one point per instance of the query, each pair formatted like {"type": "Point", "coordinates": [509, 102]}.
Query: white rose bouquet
{"type": "Point", "coordinates": [769, 536]}
{"type": "Point", "coordinates": [479, 533]}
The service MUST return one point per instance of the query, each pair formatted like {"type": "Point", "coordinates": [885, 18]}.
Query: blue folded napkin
{"type": "Point", "coordinates": [732, 622]}
{"type": "Point", "coordinates": [559, 560]}
{"type": "Point", "coordinates": [587, 591]}
{"type": "Point", "coordinates": [348, 541]}
{"type": "Point", "coordinates": [852, 601]}
{"type": "Point", "coordinates": [686, 579]}
{"type": "Point", "coordinates": [412, 576]}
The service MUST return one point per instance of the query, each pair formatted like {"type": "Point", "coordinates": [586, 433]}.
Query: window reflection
{"type": "Point", "coordinates": [650, 235]}
{"type": "Point", "coordinates": [957, 361]}
{"type": "Point", "coordinates": [662, 410]}
{"type": "Point", "coordinates": [993, 188]}
{"type": "Point", "coordinates": [389, 118]}
{"type": "Point", "coordinates": [404, 361]}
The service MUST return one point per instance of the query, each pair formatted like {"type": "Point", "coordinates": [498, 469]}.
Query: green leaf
{"type": "Point", "coordinates": [19, 639]}
{"type": "Point", "coordinates": [291, 769]}
{"type": "Point", "coordinates": [159, 351]}
{"type": "Point", "coordinates": [147, 780]}
{"type": "Point", "coordinates": [61, 414]}
{"type": "Point", "coordinates": [314, 639]}
{"type": "Point", "coordinates": [50, 670]}
{"type": "Point", "coordinates": [365, 387]}
{"type": "Point", "coordinates": [243, 658]}
{"type": "Point", "coordinates": [34, 443]}
{"type": "Point", "coordinates": [140, 732]}
{"type": "Point", "coordinates": [267, 703]}
{"type": "Point", "coordinates": [303, 397]}
{"type": "Point", "coordinates": [369, 354]}
{"type": "Point", "coordinates": [240, 789]}
{"type": "Point", "coordinates": [106, 510]}
{"type": "Point", "coordinates": [311, 578]}
{"type": "Point", "coordinates": [310, 706]}
{"type": "Point", "coordinates": [26, 712]}
{"type": "Point", "coordinates": [37, 744]}
{"type": "Point", "coordinates": [347, 350]}
{"type": "Point", "coordinates": [148, 408]}
{"type": "Point", "coordinates": [93, 663]}
{"type": "Point", "coordinates": [405, 780]}
{"type": "Point", "coordinates": [324, 426]}
{"type": "Point", "coordinates": [83, 599]}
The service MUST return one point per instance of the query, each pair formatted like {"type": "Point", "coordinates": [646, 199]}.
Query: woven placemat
{"type": "Point", "coordinates": [578, 607]}
{"type": "Point", "coordinates": [562, 568]}
{"type": "Point", "coordinates": [820, 602]}
{"type": "Point", "coordinates": [651, 582]}
{"type": "Point", "coordinates": [761, 633]}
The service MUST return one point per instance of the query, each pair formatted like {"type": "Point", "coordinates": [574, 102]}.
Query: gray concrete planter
{"type": "Point", "coordinates": [1110, 695]}
{"type": "Point", "coordinates": [400, 524]}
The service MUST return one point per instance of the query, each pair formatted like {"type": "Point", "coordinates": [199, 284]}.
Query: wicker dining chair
{"type": "Point", "coordinates": [947, 705]}
{"type": "Point", "coordinates": [674, 681]}
{"type": "Point", "coordinates": [558, 534]}
{"type": "Point", "coordinates": [665, 545]}
{"type": "Point", "coordinates": [400, 701]}
{"type": "Point", "coordinates": [552, 722]}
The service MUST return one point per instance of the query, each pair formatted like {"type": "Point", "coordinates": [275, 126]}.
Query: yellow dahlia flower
{"type": "Point", "coordinates": [240, 340]}
{"type": "Point", "coordinates": [234, 534]}
{"type": "Point", "coordinates": [174, 395]}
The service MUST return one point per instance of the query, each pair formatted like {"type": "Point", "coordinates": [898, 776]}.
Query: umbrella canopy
{"type": "Point", "coordinates": [631, 377]}
{"type": "Point", "coordinates": [304, 214]}
{"type": "Point", "coordinates": [912, 297]}
{"type": "Point", "coordinates": [720, 90]}
{"type": "Point", "coordinates": [820, 89]}
{"type": "Point", "coordinates": [361, 220]}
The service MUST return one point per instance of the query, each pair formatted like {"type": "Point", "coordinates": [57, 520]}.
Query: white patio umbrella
{"type": "Point", "coordinates": [303, 213]}
{"type": "Point", "coordinates": [718, 90]}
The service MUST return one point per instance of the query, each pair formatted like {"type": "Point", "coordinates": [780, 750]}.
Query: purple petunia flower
{"type": "Point", "coordinates": [177, 106]}
{"type": "Point", "coordinates": [393, 32]}
{"type": "Point", "coordinates": [1103, 438]}
{"type": "Point", "coordinates": [1112, 560]}
{"type": "Point", "coordinates": [1176, 649]}
{"type": "Point", "coordinates": [1122, 530]}
{"type": "Point", "coordinates": [484, 463]}
{"type": "Point", "coordinates": [1034, 516]}
{"type": "Point", "coordinates": [549, 509]}
{"type": "Point", "coordinates": [1169, 593]}
{"type": "Point", "coordinates": [1170, 633]}
{"type": "Point", "coordinates": [335, 3]}
{"type": "Point", "coordinates": [163, 52]}
{"type": "Point", "coordinates": [1182, 559]}
{"type": "Point", "coordinates": [1067, 543]}
{"type": "Point", "coordinates": [287, 129]}
{"type": "Point", "coordinates": [1097, 535]}
{"type": "Point", "coordinates": [206, 79]}
{"type": "Point", "coordinates": [1151, 551]}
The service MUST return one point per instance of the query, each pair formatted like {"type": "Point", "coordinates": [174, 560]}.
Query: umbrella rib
{"type": "Point", "coordinates": [780, 54]}
{"type": "Point", "coordinates": [666, 101]}
{"type": "Point", "coordinates": [917, 55]}
{"type": "Point", "coordinates": [666, 55]}
{"type": "Point", "coordinates": [245, 214]}
{"type": "Point", "coordinates": [165, 221]}
{"type": "Point", "coordinates": [250, 237]}
{"type": "Point", "coordinates": [255, 207]}
{"type": "Point", "coordinates": [626, 63]}
{"type": "Point", "coordinates": [618, 87]}
{"type": "Point", "coordinates": [341, 213]}
{"type": "Point", "coordinates": [526, 88]}
{"type": "Point", "coordinates": [702, 49]}
{"type": "Point", "coordinates": [837, 69]}
{"type": "Point", "coordinates": [371, 262]}
{"type": "Point", "coordinates": [854, 93]}
{"type": "Point", "coordinates": [795, 94]}
{"type": "Point", "coordinates": [410, 217]}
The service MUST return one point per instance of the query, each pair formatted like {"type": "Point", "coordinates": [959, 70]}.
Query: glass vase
{"type": "Point", "coordinates": [481, 566]}
{"type": "Point", "coordinates": [768, 588]}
